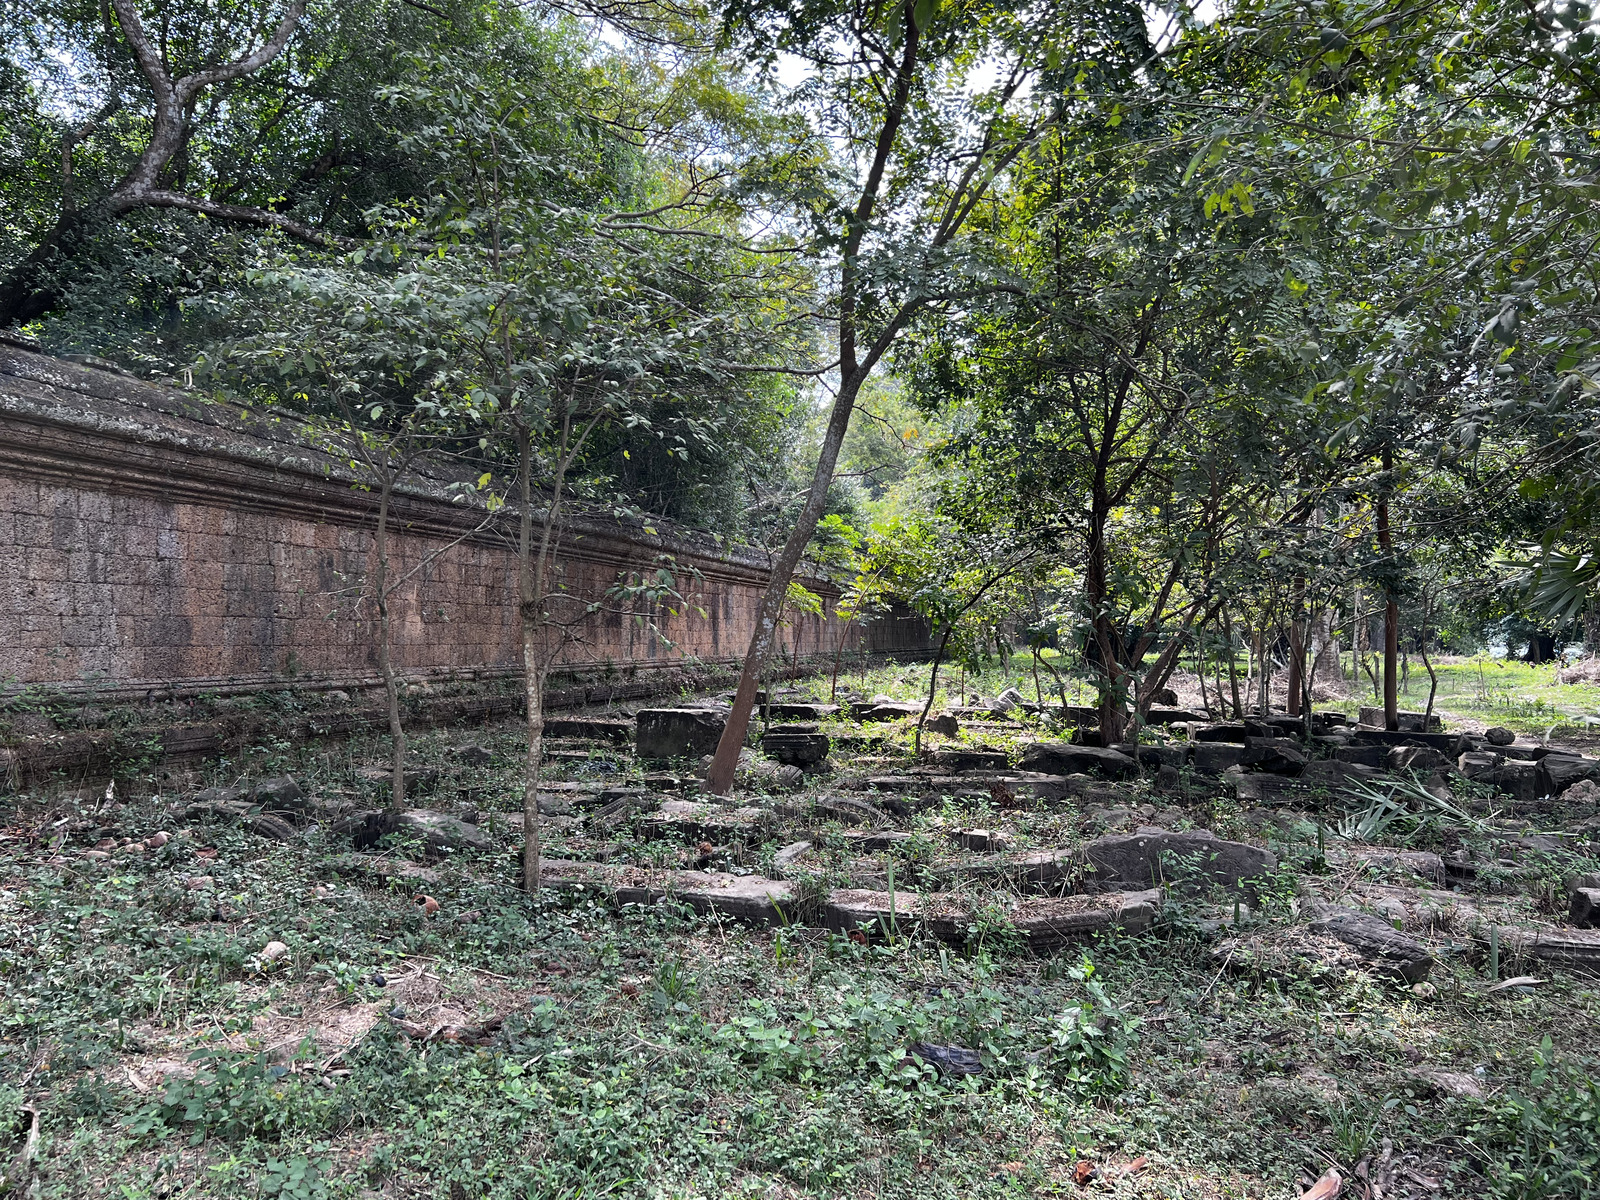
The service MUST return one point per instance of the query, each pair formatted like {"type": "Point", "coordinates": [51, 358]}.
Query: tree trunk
{"type": "Point", "coordinates": [1433, 678]}
{"type": "Point", "coordinates": [1391, 613]}
{"type": "Point", "coordinates": [933, 687]}
{"type": "Point", "coordinates": [1325, 647]}
{"type": "Point", "coordinates": [719, 780]}
{"type": "Point", "coordinates": [1107, 641]}
{"type": "Point", "coordinates": [1297, 646]}
{"type": "Point", "coordinates": [854, 370]}
{"type": "Point", "coordinates": [29, 291]}
{"type": "Point", "coordinates": [533, 666]}
{"type": "Point", "coordinates": [833, 683]}
{"type": "Point", "coordinates": [391, 690]}
{"type": "Point", "coordinates": [1233, 667]}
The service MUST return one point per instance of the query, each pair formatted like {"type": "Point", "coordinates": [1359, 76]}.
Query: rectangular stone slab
{"type": "Point", "coordinates": [1138, 859]}
{"type": "Point", "coordinates": [1045, 923]}
{"type": "Point", "coordinates": [713, 822]}
{"type": "Point", "coordinates": [743, 897]}
{"type": "Point", "coordinates": [678, 732]}
{"type": "Point", "coordinates": [1577, 950]}
{"type": "Point", "coordinates": [610, 729]}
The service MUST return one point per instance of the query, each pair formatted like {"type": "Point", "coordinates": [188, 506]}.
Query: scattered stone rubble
{"type": "Point", "coordinates": [1389, 911]}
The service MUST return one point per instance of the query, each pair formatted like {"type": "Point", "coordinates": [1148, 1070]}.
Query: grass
{"type": "Point", "coordinates": [1481, 689]}
{"type": "Point", "coordinates": [650, 1052]}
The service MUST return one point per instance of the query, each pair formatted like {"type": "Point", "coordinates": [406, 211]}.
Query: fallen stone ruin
{"type": "Point", "coordinates": [835, 824]}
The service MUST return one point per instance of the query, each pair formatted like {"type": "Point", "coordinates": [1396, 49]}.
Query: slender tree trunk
{"type": "Point", "coordinates": [933, 687]}
{"type": "Point", "coordinates": [854, 370]}
{"type": "Point", "coordinates": [1433, 679]}
{"type": "Point", "coordinates": [726, 760]}
{"type": "Point", "coordinates": [1097, 590]}
{"type": "Point", "coordinates": [833, 683]}
{"type": "Point", "coordinates": [1297, 645]}
{"type": "Point", "coordinates": [1061, 683]}
{"type": "Point", "coordinates": [1233, 666]}
{"type": "Point", "coordinates": [533, 666]}
{"type": "Point", "coordinates": [1038, 692]}
{"type": "Point", "coordinates": [1264, 664]}
{"type": "Point", "coordinates": [1391, 612]}
{"type": "Point", "coordinates": [391, 690]}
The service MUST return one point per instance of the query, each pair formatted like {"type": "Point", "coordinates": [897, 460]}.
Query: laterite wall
{"type": "Point", "coordinates": [153, 543]}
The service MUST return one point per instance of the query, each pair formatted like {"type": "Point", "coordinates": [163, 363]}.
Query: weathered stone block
{"type": "Point", "coordinates": [964, 758]}
{"type": "Point", "coordinates": [1213, 758]}
{"type": "Point", "coordinates": [1410, 722]}
{"type": "Point", "coordinates": [1279, 756]}
{"type": "Point", "coordinates": [1062, 758]}
{"type": "Point", "coordinates": [1144, 860]}
{"type": "Point", "coordinates": [796, 748]}
{"type": "Point", "coordinates": [885, 710]}
{"type": "Point", "coordinates": [678, 732]}
{"type": "Point", "coordinates": [1219, 733]}
{"type": "Point", "coordinates": [1558, 772]}
{"type": "Point", "coordinates": [1376, 940]}
{"type": "Point", "coordinates": [1415, 758]}
{"type": "Point", "coordinates": [1479, 764]}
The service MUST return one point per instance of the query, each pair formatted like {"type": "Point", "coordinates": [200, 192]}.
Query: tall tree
{"type": "Point", "coordinates": [923, 135]}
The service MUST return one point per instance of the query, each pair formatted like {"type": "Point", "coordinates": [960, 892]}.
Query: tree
{"type": "Point", "coordinates": [1128, 390]}
{"type": "Point", "coordinates": [360, 353]}
{"type": "Point", "coordinates": [573, 316]}
{"type": "Point", "coordinates": [924, 144]}
{"type": "Point", "coordinates": [150, 181]}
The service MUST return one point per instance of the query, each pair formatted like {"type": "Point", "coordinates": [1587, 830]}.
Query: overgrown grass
{"type": "Point", "coordinates": [650, 1052]}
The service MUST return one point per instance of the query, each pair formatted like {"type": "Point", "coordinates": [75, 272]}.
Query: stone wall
{"type": "Point", "coordinates": [151, 543]}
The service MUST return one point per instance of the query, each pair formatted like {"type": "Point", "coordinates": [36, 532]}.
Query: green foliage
{"type": "Point", "coordinates": [1544, 1140]}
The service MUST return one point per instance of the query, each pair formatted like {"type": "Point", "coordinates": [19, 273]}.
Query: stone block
{"type": "Point", "coordinates": [795, 748]}
{"type": "Point", "coordinates": [1062, 758]}
{"type": "Point", "coordinates": [1278, 756]}
{"type": "Point", "coordinates": [884, 710]}
{"type": "Point", "coordinates": [1045, 923]}
{"type": "Point", "coordinates": [1376, 940]}
{"type": "Point", "coordinates": [1144, 860]}
{"type": "Point", "coordinates": [1584, 912]}
{"type": "Point", "coordinates": [748, 898]}
{"type": "Point", "coordinates": [281, 794]}
{"type": "Point", "coordinates": [678, 732]}
{"type": "Point", "coordinates": [1213, 758]}
{"type": "Point", "coordinates": [693, 820]}
{"type": "Point", "coordinates": [1558, 772]}
{"type": "Point", "coordinates": [1479, 764]}
{"type": "Point", "coordinates": [964, 758]}
{"type": "Point", "coordinates": [1410, 722]}
{"type": "Point", "coordinates": [1415, 758]}
{"type": "Point", "coordinates": [1172, 716]}
{"type": "Point", "coordinates": [1153, 758]}
{"type": "Point", "coordinates": [1219, 733]}
{"type": "Point", "coordinates": [1374, 756]}
{"type": "Point", "coordinates": [599, 729]}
